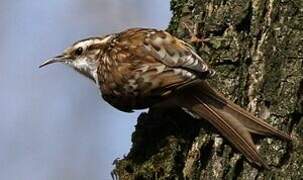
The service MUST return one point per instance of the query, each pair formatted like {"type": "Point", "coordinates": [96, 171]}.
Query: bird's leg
{"type": "Point", "coordinates": [194, 33]}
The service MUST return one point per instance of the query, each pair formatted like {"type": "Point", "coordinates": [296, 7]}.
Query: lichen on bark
{"type": "Point", "coordinates": [256, 48]}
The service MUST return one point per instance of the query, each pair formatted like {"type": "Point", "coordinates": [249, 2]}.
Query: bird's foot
{"type": "Point", "coordinates": [193, 32]}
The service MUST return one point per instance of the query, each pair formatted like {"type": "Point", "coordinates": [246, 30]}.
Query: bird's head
{"type": "Point", "coordinates": [83, 56]}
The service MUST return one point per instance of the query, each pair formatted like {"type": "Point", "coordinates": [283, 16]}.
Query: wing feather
{"type": "Point", "coordinates": [153, 61]}
{"type": "Point", "coordinates": [174, 52]}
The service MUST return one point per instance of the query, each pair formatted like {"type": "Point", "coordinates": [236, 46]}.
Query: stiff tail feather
{"type": "Point", "coordinates": [233, 122]}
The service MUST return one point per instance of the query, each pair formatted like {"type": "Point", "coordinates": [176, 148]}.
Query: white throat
{"type": "Point", "coordinates": [86, 67]}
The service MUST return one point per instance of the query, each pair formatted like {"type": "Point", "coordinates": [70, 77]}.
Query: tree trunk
{"type": "Point", "coordinates": [256, 47]}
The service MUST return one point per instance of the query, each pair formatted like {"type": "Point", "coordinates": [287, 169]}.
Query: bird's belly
{"type": "Point", "coordinates": [131, 102]}
{"type": "Point", "coordinates": [127, 93]}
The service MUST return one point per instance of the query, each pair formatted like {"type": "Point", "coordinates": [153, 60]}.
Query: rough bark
{"type": "Point", "coordinates": [256, 47]}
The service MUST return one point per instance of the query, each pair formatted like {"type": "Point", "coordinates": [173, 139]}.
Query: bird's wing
{"type": "Point", "coordinates": [174, 52]}
{"type": "Point", "coordinates": [155, 62]}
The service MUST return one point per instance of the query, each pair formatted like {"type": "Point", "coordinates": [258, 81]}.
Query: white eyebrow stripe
{"type": "Point", "coordinates": [84, 44]}
{"type": "Point", "coordinates": [89, 42]}
{"type": "Point", "coordinates": [105, 40]}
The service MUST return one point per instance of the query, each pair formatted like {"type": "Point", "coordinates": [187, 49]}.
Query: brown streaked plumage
{"type": "Point", "coordinates": [139, 68]}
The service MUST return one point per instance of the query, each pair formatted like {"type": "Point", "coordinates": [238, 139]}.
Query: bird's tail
{"type": "Point", "coordinates": [233, 122]}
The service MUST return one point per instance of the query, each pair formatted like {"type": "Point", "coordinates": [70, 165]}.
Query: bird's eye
{"type": "Point", "coordinates": [79, 51]}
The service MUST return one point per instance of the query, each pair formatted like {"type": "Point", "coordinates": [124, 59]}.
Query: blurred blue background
{"type": "Point", "coordinates": [54, 124]}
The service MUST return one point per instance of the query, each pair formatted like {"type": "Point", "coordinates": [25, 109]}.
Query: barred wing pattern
{"type": "Point", "coordinates": [146, 66]}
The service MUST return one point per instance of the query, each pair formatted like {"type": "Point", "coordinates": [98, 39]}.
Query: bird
{"type": "Point", "coordinates": [141, 68]}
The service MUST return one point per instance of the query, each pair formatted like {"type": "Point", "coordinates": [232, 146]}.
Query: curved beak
{"type": "Point", "coordinates": [56, 59]}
